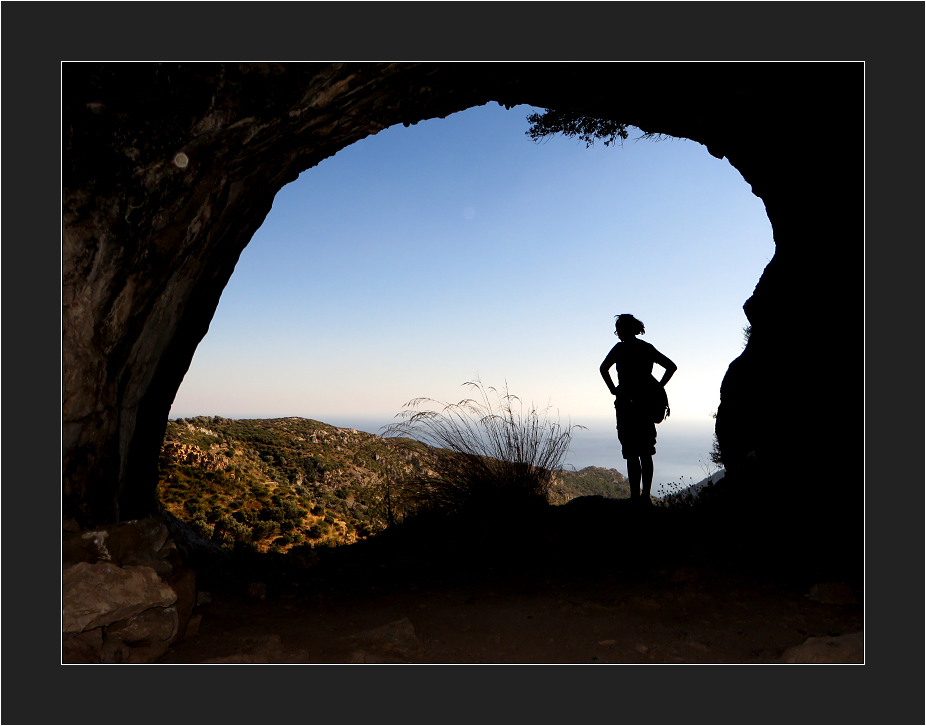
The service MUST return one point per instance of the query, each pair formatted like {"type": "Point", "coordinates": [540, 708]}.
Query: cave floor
{"type": "Point", "coordinates": [687, 611]}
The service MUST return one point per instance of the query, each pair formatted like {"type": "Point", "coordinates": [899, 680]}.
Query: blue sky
{"type": "Point", "coordinates": [422, 257]}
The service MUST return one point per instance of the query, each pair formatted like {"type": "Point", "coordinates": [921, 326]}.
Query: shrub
{"type": "Point", "coordinates": [272, 514]}
{"type": "Point", "coordinates": [263, 530]}
{"type": "Point", "coordinates": [227, 529]}
{"type": "Point", "coordinates": [492, 452]}
{"type": "Point", "coordinates": [202, 527]}
{"type": "Point", "coordinates": [242, 516]}
{"type": "Point", "coordinates": [291, 510]}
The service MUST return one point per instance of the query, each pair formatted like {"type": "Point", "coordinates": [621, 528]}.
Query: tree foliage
{"type": "Point", "coordinates": [587, 128]}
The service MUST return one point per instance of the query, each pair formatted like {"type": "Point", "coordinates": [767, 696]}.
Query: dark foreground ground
{"type": "Point", "coordinates": [596, 581]}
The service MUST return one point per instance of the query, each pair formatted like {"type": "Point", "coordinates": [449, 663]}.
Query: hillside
{"type": "Point", "coordinates": [590, 481]}
{"type": "Point", "coordinates": [270, 484]}
{"type": "Point", "coordinates": [280, 484]}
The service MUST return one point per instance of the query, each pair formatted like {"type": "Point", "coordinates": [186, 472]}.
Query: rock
{"type": "Point", "coordinates": [141, 638]}
{"type": "Point", "coordinates": [196, 553]}
{"type": "Point", "coordinates": [137, 542]}
{"type": "Point", "coordinates": [85, 647]}
{"type": "Point", "coordinates": [140, 538]}
{"type": "Point", "coordinates": [833, 593]}
{"type": "Point", "coordinates": [398, 635]}
{"type": "Point", "coordinates": [100, 594]}
{"type": "Point", "coordinates": [170, 553]}
{"type": "Point", "coordinates": [192, 627]}
{"type": "Point", "coordinates": [842, 649]}
{"type": "Point", "coordinates": [76, 548]}
{"type": "Point", "coordinates": [183, 582]}
{"type": "Point", "coordinates": [153, 625]}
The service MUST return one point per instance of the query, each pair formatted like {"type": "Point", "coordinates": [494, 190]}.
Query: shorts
{"type": "Point", "coordinates": [635, 431]}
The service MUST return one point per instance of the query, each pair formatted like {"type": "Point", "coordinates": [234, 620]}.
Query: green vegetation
{"type": "Point", "coordinates": [277, 483]}
{"type": "Point", "coordinates": [587, 128]}
{"type": "Point", "coordinates": [590, 481]}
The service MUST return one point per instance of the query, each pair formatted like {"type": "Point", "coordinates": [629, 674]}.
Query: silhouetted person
{"type": "Point", "coordinates": [636, 431]}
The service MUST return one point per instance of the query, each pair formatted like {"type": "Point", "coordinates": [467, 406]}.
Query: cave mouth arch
{"type": "Point", "coordinates": [595, 202]}
{"type": "Point", "coordinates": [149, 245]}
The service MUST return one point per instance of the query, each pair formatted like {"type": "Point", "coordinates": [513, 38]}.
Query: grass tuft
{"type": "Point", "coordinates": [494, 452]}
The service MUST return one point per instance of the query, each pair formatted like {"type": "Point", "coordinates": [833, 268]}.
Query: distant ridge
{"type": "Point", "coordinates": [590, 481]}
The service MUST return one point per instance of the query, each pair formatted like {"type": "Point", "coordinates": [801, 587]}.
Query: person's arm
{"type": "Point", "coordinates": [665, 363]}
{"type": "Point", "coordinates": [604, 370]}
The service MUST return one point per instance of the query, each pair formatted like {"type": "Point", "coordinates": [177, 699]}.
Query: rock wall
{"type": "Point", "coordinates": [169, 169]}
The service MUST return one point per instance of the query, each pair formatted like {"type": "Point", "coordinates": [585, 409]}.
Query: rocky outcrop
{"type": "Point", "coordinates": [125, 593]}
{"type": "Point", "coordinates": [194, 456]}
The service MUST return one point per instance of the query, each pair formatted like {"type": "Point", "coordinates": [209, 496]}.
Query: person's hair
{"type": "Point", "coordinates": [629, 324]}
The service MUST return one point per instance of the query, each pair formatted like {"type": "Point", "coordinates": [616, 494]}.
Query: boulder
{"type": "Point", "coordinates": [100, 594]}
{"type": "Point", "coordinates": [141, 638]}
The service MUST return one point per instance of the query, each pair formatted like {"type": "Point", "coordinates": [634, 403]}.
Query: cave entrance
{"type": "Point", "coordinates": [417, 258]}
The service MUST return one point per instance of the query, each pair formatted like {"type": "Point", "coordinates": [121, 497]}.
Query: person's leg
{"type": "Point", "coordinates": [646, 466]}
{"type": "Point", "coordinates": [633, 473]}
